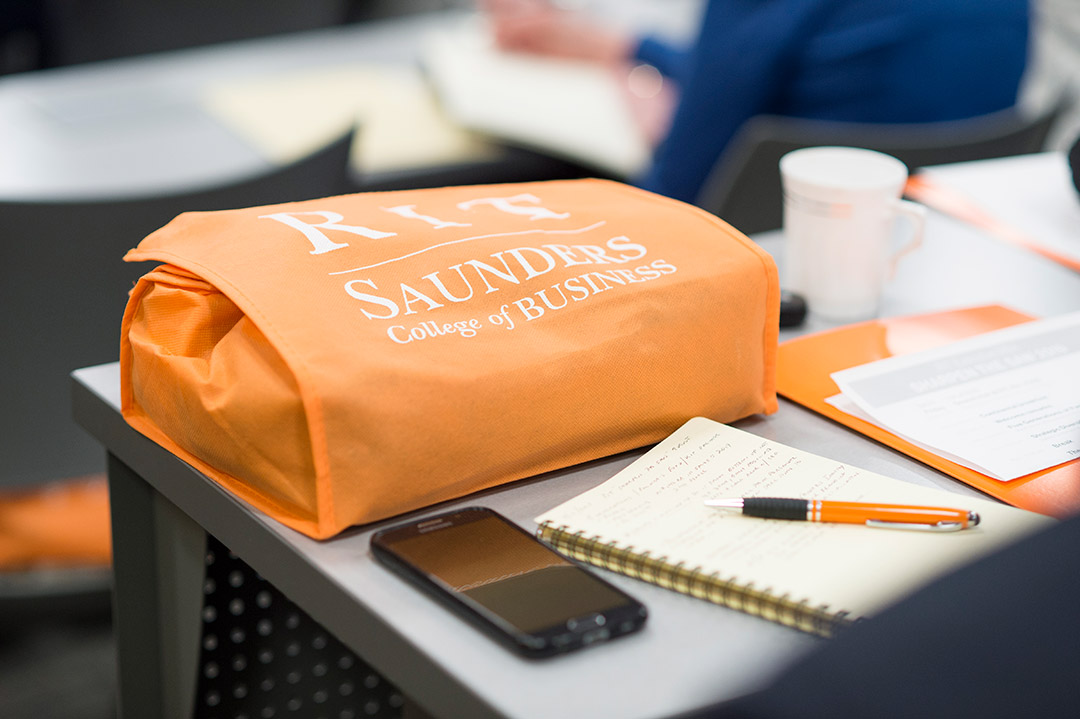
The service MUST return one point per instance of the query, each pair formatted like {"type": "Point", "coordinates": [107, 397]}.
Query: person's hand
{"type": "Point", "coordinates": [535, 26]}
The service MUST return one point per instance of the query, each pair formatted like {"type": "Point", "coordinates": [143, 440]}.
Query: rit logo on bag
{"type": "Point", "coordinates": [322, 244]}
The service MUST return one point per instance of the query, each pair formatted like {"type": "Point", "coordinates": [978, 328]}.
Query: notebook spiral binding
{"type": "Point", "coordinates": [819, 620]}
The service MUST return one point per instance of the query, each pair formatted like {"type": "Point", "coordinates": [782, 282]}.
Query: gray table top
{"type": "Point", "coordinates": [690, 653]}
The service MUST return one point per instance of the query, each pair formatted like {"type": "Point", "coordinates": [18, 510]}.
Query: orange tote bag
{"type": "Point", "coordinates": [338, 361]}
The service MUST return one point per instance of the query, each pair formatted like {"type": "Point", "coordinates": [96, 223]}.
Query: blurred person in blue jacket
{"type": "Point", "coordinates": [873, 61]}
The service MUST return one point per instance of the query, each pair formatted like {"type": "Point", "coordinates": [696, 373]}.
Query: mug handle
{"type": "Point", "coordinates": [916, 214]}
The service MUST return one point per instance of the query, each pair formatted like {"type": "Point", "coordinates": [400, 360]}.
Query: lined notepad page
{"type": "Point", "coordinates": [656, 505]}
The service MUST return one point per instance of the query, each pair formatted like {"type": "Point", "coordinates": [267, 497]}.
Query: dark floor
{"type": "Point", "coordinates": [62, 668]}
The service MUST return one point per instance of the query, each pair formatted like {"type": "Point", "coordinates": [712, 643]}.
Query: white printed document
{"type": "Point", "coordinates": [1005, 403]}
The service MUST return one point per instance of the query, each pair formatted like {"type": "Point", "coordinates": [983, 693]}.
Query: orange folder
{"type": "Point", "coordinates": [805, 363]}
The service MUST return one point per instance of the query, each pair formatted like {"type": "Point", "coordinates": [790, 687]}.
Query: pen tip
{"type": "Point", "coordinates": [973, 517]}
{"type": "Point", "coordinates": [725, 503]}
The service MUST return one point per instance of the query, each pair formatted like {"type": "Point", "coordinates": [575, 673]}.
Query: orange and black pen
{"type": "Point", "coordinates": [871, 514]}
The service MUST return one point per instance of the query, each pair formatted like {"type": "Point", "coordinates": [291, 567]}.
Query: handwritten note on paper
{"type": "Point", "coordinates": [656, 505]}
{"type": "Point", "coordinates": [1005, 403]}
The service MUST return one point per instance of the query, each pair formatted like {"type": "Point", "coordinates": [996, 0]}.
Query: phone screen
{"type": "Point", "coordinates": [509, 578]}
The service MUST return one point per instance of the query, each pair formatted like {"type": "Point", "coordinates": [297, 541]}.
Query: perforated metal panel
{"type": "Point", "coordinates": [262, 657]}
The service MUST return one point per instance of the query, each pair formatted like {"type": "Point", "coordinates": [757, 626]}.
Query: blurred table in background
{"type": "Point", "coordinates": [150, 124]}
{"type": "Point", "coordinates": [171, 121]}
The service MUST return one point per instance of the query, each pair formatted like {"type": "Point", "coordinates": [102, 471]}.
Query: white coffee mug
{"type": "Point", "coordinates": [840, 211]}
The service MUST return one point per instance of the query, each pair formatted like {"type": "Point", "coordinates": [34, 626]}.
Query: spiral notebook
{"type": "Point", "coordinates": [649, 522]}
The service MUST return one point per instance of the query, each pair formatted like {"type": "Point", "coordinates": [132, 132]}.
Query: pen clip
{"type": "Point", "coordinates": [936, 527]}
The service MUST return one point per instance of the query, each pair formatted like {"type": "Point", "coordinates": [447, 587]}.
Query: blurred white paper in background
{"type": "Point", "coordinates": [567, 108]}
{"type": "Point", "coordinates": [1036, 206]}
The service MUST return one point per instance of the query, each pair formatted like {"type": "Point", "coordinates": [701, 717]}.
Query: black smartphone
{"type": "Point", "coordinates": [508, 582]}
